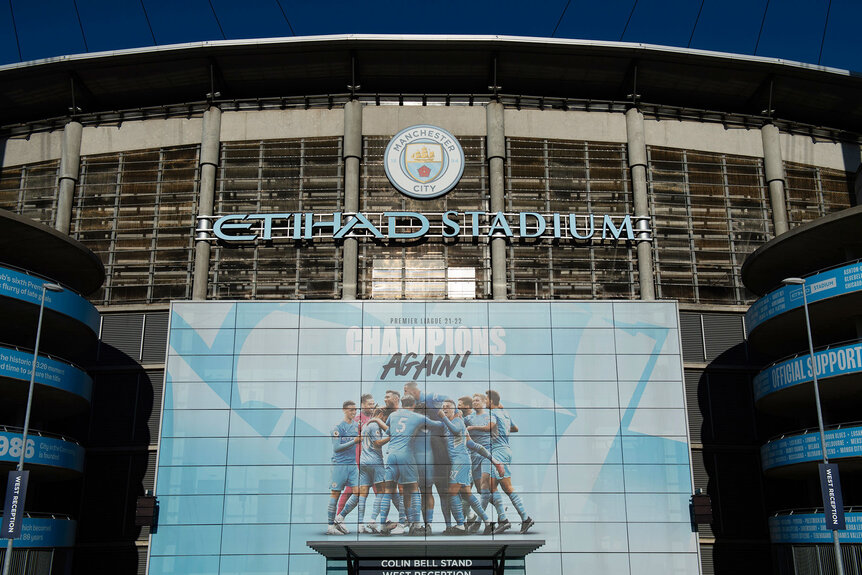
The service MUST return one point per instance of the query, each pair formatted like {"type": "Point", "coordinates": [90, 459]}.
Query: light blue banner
{"type": "Point", "coordinates": [42, 451]}
{"type": "Point", "coordinates": [846, 442]}
{"type": "Point", "coordinates": [261, 398]}
{"type": "Point", "coordinates": [831, 283]}
{"type": "Point", "coordinates": [829, 363]}
{"type": "Point", "coordinates": [811, 528]}
{"type": "Point", "coordinates": [27, 288]}
{"type": "Point", "coordinates": [47, 532]}
{"type": "Point", "coordinates": [16, 364]}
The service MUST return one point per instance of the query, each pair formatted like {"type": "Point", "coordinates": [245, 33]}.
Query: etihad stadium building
{"type": "Point", "coordinates": [251, 235]}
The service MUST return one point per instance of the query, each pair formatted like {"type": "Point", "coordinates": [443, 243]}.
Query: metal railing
{"type": "Point", "coordinates": [517, 101]}
{"type": "Point", "coordinates": [798, 432]}
{"type": "Point", "coordinates": [20, 430]}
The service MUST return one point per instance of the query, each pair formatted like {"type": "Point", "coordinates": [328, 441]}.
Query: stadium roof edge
{"type": "Point", "coordinates": [419, 38]}
{"type": "Point", "coordinates": [43, 92]}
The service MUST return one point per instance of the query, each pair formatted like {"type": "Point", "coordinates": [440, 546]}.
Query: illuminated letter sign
{"type": "Point", "coordinates": [308, 226]}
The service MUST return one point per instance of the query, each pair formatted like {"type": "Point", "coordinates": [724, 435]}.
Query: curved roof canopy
{"type": "Point", "coordinates": [550, 68]}
{"type": "Point", "coordinates": [813, 246]}
{"type": "Point", "coordinates": [29, 245]}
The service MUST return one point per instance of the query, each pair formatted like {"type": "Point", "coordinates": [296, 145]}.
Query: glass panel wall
{"type": "Point", "coordinates": [409, 268]}
{"type": "Point", "coordinates": [264, 402]}
{"type": "Point", "coordinates": [709, 212]}
{"type": "Point", "coordinates": [813, 192]}
{"type": "Point", "coordinates": [278, 176]}
{"type": "Point", "coordinates": [548, 176]}
{"type": "Point", "coordinates": [31, 190]}
{"type": "Point", "coordinates": [136, 210]}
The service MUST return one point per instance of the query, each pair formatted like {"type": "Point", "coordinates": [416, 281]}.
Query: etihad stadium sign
{"type": "Point", "coordinates": [404, 225]}
{"type": "Point", "coordinates": [422, 162]}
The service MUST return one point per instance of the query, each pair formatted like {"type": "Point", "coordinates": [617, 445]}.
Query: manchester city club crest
{"type": "Point", "coordinates": [424, 161]}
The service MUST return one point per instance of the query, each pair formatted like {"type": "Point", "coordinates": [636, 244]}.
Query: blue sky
{"type": "Point", "coordinates": [792, 29]}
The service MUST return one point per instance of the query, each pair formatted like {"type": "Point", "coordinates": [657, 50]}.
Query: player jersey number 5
{"type": "Point", "coordinates": [401, 425]}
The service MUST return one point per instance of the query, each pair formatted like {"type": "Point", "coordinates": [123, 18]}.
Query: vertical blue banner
{"type": "Point", "coordinates": [833, 502]}
{"type": "Point", "coordinates": [13, 508]}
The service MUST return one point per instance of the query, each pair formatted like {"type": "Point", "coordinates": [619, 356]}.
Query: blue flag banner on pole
{"type": "Point", "coordinates": [833, 503]}
{"type": "Point", "coordinates": [13, 508]}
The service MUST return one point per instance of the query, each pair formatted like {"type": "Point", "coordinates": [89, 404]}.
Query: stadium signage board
{"type": "Point", "coordinates": [299, 226]}
{"type": "Point", "coordinates": [426, 566]}
{"type": "Point", "coordinates": [424, 161]}
{"type": "Point", "coordinates": [13, 507]}
{"type": "Point", "coordinates": [833, 501]}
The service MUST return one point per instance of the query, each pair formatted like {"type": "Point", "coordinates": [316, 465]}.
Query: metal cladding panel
{"type": "Point", "coordinates": [142, 561]}
{"type": "Point", "coordinates": [730, 393]}
{"type": "Point", "coordinates": [149, 480]}
{"type": "Point", "coordinates": [706, 556]}
{"type": "Point", "coordinates": [113, 413]}
{"type": "Point", "coordinates": [701, 475]}
{"type": "Point", "coordinates": [692, 337]}
{"type": "Point", "coordinates": [155, 338]}
{"type": "Point", "coordinates": [121, 337]}
{"type": "Point", "coordinates": [699, 468]}
{"type": "Point", "coordinates": [693, 381]}
{"type": "Point", "coordinates": [150, 401]}
{"type": "Point", "coordinates": [723, 332]}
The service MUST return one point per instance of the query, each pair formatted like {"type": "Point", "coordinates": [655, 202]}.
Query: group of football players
{"type": "Point", "coordinates": [416, 443]}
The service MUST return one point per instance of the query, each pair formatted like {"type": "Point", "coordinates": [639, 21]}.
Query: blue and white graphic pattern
{"type": "Point", "coordinates": [253, 389]}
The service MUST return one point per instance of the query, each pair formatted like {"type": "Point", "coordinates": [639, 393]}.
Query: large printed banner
{"type": "Point", "coordinates": [831, 362]}
{"type": "Point", "coordinates": [46, 532]}
{"type": "Point", "coordinates": [845, 442]}
{"type": "Point", "coordinates": [291, 422]}
{"type": "Point", "coordinates": [811, 528]}
{"type": "Point", "coordinates": [831, 283]}
{"type": "Point", "coordinates": [40, 450]}
{"type": "Point", "coordinates": [24, 287]}
{"type": "Point", "coordinates": [17, 364]}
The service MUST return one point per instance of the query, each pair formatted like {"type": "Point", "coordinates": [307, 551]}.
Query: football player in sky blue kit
{"type": "Point", "coordinates": [458, 442]}
{"type": "Point", "coordinates": [425, 469]}
{"type": "Point", "coordinates": [390, 493]}
{"type": "Point", "coordinates": [401, 426]}
{"type": "Point", "coordinates": [477, 422]}
{"type": "Point", "coordinates": [501, 426]}
{"type": "Point", "coordinates": [465, 406]}
{"type": "Point", "coordinates": [371, 470]}
{"type": "Point", "coordinates": [345, 436]}
{"type": "Point", "coordinates": [433, 403]}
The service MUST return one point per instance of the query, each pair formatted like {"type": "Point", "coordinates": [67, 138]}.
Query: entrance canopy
{"type": "Point", "coordinates": [472, 548]}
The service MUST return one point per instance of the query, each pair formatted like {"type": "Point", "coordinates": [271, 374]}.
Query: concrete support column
{"type": "Point", "coordinates": [210, 138]}
{"type": "Point", "coordinates": [352, 159]}
{"type": "Point", "coordinates": [496, 152]}
{"type": "Point", "coordinates": [774, 168]}
{"type": "Point", "coordinates": [643, 235]}
{"type": "Point", "coordinates": [70, 167]}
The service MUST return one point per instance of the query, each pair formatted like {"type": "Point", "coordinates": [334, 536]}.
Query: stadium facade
{"type": "Point", "coordinates": [268, 230]}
